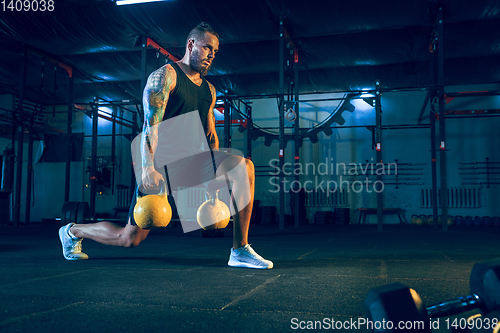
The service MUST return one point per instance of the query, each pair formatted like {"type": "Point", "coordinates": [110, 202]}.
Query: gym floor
{"type": "Point", "coordinates": [175, 282]}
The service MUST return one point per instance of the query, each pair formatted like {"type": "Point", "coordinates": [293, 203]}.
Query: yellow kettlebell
{"type": "Point", "coordinates": [213, 213]}
{"type": "Point", "coordinates": [152, 211]}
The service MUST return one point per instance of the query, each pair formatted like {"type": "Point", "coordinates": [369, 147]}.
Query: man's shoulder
{"type": "Point", "coordinates": [163, 77]}
{"type": "Point", "coordinates": [166, 70]}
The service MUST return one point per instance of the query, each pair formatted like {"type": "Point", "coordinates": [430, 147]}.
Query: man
{"type": "Point", "coordinates": [173, 90]}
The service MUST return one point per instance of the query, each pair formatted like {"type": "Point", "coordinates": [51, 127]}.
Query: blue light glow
{"type": "Point", "coordinates": [361, 105]}
{"type": "Point", "coordinates": [105, 111]}
{"type": "Point", "coordinates": [366, 95]}
{"type": "Point", "coordinates": [133, 2]}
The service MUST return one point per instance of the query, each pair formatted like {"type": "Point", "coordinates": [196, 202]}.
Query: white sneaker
{"type": "Point", "coordinates": [247, 257]}
{"type": "Point", "coordinates": [72, 247]}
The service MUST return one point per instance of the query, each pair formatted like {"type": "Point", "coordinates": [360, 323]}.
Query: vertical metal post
{"type": "Point", "coordinates": [227, 124]}
{"type": "Point", "coordinates": [113, 148]}
{"type": "Point", "coordinates": [378, 148]}
{"type": "Point", "coordinates": [11, 213]}
{"type": "Point", "coordinates": [29, 169]}
{"type": "Point", "coordinates": [29, 175]}
{"type": "Point", "coordinates": [281, 111]}
{"type": "Point", "coordinates": [144, 68]}
{"type": "Point", "coordinates": [93, 168]}
{"type": "Point", "coordinates": [432, 120]}
{"type": "Point", "coordinates": [442, 132]}
{"type": "Point", "coordinates": [297, 135]}
{"type": "Point", "coordinates": [139, 115]}
{"type": "Point", "coordinates": [134, 133]}
{"type": "Point", "coordinates": [249, 131]}
{"type": "Point", "coordinates": [20, 140]}
{"type": "Point", "coordinates": [432, 123]}
{"type": "Point", "coordinates": [69, 141]}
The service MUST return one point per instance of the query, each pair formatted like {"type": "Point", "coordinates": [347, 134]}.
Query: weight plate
{"type": "Point", "coordinates": [83, 213]}
{"type": "Point", "coordinates": [72, 208]}
{"type": "Point", "coordinates": [63, 213]}
{"type": "Point", "coordinates": [69, 212]}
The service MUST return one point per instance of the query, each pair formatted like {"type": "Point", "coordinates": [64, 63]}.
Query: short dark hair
{"type": "Point", "coordinates": [200, 29]}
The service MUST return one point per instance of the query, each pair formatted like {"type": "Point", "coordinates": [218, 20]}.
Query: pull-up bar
{"type": "Point", "coordinates": [160, 49]}
{"type": "Point", "coordinates": [68, 69]}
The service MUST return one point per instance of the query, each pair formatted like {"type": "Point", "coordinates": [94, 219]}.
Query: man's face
{"type": "Point", "coordinates": [203, 53]}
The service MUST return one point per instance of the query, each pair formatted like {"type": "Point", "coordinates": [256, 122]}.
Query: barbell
{"type": "Point", "coordinates": [396, 303]}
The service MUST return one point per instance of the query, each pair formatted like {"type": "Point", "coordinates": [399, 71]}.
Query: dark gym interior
{"type": "Point", "coordinates": [372, 127]}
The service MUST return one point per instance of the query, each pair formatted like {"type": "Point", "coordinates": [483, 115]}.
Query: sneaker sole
{"type": "Point", "coordinates": [234, 263]}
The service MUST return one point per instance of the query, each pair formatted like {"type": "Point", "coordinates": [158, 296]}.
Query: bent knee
{"type": "Point", "coordinates": [132, 236]}
{"type": "Point", "coordinates": [235, 163]}
{"type": "Point", "coordinates": [134, 242]}
{"type": "Point", "coordinates": [128, 242]}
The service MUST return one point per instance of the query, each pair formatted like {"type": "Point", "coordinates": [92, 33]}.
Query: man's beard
{"type": "Point", "coordinates": [197, 63]}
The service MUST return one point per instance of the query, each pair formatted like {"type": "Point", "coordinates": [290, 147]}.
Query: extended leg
{"type": "Point", "coordinates": [71, 236]}
{"type": "Point", "coordinates": [110, 233]}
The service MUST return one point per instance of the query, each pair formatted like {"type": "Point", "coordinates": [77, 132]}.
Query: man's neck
{"type": "Point", "coordinates": [190, 72]}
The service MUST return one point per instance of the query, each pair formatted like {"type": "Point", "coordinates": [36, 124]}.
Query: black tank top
{"type": "Point", "coordinates": [188, 97]}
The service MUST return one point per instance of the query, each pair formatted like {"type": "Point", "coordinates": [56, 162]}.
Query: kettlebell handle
{"type": "Point", "coordinates": [211, 194]}
{"type": "Point", "coordinates": [162, 186]}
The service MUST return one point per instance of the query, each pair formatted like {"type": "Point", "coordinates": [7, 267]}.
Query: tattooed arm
{"type": "Point", "coordinates": [213, 140]}
{"type": "Point", "coordinates": [155, 97]}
